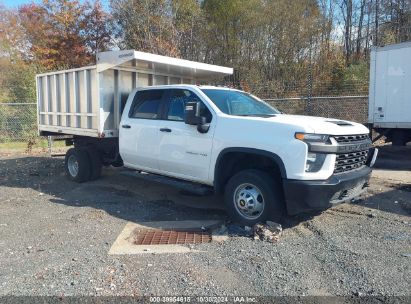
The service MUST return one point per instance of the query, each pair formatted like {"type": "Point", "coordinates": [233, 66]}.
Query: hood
{"type": "Point", "coordinates": [313, 124]}
{"type": "Point", "coordinates": [322, 125]}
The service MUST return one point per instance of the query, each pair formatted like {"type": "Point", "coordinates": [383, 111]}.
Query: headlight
{"type": "Point", "coordinates": [312, 138]}
{"type": "Point", "coordinates": [314, 162]}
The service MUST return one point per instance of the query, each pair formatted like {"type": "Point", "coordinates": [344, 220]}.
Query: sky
{"type": "Point", "coordinates": [16, 3]}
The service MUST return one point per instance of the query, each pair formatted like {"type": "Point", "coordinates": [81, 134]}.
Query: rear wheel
{"type": "Point", "coordinates": [117, 163]}
{"type": "Point", "coordinates": [253, 196]}
{"type": "Point", "coordinates": [95, 163]}
{"type": "Point", "coordinates": [399, 138]}
{"type": "Point", "coordinates": [77, 165]}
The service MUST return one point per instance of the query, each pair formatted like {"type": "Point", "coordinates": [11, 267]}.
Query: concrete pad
{"type": "Point", "coordinates": [124, 242]}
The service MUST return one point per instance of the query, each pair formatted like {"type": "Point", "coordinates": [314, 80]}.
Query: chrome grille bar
{"type": "Point", "coordinates": [351, 160]}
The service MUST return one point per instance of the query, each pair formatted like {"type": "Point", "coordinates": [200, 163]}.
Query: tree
{"type": "Point", "coordinates": [54, 31]}
{"type": "Point", "coordinates": [20, 82]}
{"type": "Point", "coordinates": [347, 13]}
{"type": "Point", "coordinates": [13, 44]}
{"type": "Point", "coordinates": [395, 21]}
{"type": "Point", "coordinates": [146, 25]}
{"type": "Point", "coordinates": [65, 34]}
{"type": "Point", "coordinates": [188, 21]}
{"type": "Point", "coordinates": [98, 30]}
{"type": "Point", "coordinates": [17, 79]}
{"type": "Point", "coordinates": [275, 46]}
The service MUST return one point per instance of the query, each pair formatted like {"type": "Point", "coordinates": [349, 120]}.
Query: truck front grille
{"type": "Point", "coordinates": [350, 161]}
{"type": "Point", "coordinates": [346, 139]}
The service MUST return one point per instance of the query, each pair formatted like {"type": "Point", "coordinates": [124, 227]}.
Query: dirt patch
{"type": "Point", "coordinates": [56, 235]}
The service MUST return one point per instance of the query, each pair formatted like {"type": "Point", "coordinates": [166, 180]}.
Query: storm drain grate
{"type": "Point", "coordinates": [171, 237]}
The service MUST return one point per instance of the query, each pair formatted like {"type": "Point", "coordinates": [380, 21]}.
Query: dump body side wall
{"type": "Point", "coordinates": [85, 102]}
{"type": "Point", "coordinates": [68, 102]}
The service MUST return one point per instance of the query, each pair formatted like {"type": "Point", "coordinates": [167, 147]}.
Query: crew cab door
{"type": "Point", "coordinates": [139, 130]}
{"type": "Point", "coordinates": [184, 152]}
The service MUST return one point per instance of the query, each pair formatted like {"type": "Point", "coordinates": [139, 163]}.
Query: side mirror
{"type": "Point", "coordinates": [192, 117]}
{"type": "Point", "coordinates": [192, 113]}
{"type": "Point", "coordinates": [203, 126]}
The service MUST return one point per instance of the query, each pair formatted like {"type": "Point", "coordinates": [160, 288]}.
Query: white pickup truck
{"type": "Point", "coordinates": [265, 163]}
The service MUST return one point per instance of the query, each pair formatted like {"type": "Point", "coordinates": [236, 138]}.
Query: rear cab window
{"type": "Point", "coordinates": [147, 104]}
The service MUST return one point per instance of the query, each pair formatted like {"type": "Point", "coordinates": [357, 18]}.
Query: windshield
{"type": "Point", "coordinates": [239, 103]}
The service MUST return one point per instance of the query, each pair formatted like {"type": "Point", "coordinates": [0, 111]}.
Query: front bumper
{"type": "Point", "coordinates": [303, 196]}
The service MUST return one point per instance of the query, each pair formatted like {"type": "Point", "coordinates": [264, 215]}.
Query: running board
{"type": "Point", "coordinates": [186, 186]}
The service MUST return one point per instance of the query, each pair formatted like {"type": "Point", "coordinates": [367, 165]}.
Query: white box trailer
{"type": "Point", "coordinates": [389, 110]}
{"type": "Point", "coordinates": [88, 101]}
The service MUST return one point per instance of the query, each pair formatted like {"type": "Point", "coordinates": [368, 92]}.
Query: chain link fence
{"type": "Point", "coordinates": [307, 89]}
{"type": "Point", "coordinates": [354, 108]}
{"type": "Point", "coordinates": [347, 100]}
{"type": "Point", "coordinates": [18, 122]}
{"type": "Point", "coordinates": [341, 98]}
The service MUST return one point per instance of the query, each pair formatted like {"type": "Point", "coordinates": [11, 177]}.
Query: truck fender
{"type": "Point", "coordinates": [219, 166]}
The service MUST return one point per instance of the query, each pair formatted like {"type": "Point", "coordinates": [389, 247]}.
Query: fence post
{"type": "Point", "coordinates": [309, 93]}
{"type": "Point", "coordinates": [49, 144]}
{"type": "Point", "coordinates": [309, 82]}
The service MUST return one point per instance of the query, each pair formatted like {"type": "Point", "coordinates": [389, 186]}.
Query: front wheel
{"type": "Point", "coordinates": [253, 196]}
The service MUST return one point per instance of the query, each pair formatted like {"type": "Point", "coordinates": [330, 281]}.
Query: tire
{"type": "Point", "coordinates": [248, 186]}
{"type": "Point", "coordinates": [79, 156]}
{"type": "Point", "coordinates": [117, 163]}
{"type": "Point", "coordinates": [399, 138]}
{"type": "Point", "coordinates": [95, 163]}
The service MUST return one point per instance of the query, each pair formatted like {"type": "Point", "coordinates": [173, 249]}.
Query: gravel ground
{"type": "Point", "coordinates": [55, 236]}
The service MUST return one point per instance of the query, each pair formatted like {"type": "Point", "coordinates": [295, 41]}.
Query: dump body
{"type": "Point", "coordinates": [390, 87]}
{"type": "Point", "coordinates": [89, 101]}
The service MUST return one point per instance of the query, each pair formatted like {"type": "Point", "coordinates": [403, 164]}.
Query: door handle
{"type": "Point", "coordinates": [126, 126]}
{"type": "Point", "coordinates": [165, 130]}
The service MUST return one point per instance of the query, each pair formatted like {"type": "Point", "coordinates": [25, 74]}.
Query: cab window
{"type": "Point", "coordinates": [175, 103]}
{"type": "Point", "coordinates": [146, 104]}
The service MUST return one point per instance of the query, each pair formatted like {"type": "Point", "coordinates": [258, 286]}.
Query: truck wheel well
{"type": "Point", "coordinates": [106, 148]}
{"type": "Point", "coordinates": [233, 162]}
